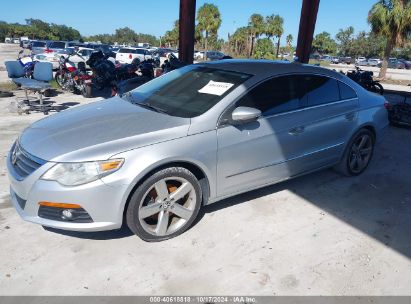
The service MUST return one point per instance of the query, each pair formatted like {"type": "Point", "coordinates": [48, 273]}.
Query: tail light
{"type": "Point", "coordinates": [130, 56]}
{"type": "Point", "coordinates": [71, 69]}
{"type": "Point", "coordinates": [387, 105]}
{"type": "Point", "coordinates": [48, 51]}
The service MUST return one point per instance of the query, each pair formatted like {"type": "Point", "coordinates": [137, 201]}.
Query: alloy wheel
{"type": "Point", "coordinates": [360, 153]}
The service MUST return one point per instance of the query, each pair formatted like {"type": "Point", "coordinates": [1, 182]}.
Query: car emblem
{"type": "Point", "coordinates": [14, 156]}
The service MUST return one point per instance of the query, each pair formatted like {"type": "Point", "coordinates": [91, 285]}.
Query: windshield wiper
{"type": "Point", "coordinates": [150, 107]}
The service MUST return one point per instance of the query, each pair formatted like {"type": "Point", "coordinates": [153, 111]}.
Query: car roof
{"type": "Point", "coordinates": [269, 67]}
{"type": "Point", "coordinates": [85, 48]}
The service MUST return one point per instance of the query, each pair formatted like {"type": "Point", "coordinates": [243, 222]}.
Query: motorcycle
{"type": "Point", "coordinates": [72, 79]}
{"type": "Point", "coordinates": [365, 79]}
{"type": "Point", "coordinates": [27, 63]}
{"type": "Point", "coordinates": [400, 114]}
{"type": "Point", "coordinates": [119, 77]}
{"type": "Point", "coordinates": [172, 63]}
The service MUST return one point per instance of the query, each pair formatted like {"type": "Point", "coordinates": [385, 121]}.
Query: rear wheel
{"type": "Point", "coordinates": [358, 154]}
{"type": "Point", "coordinates": [377, 88]}
{"type": "Point", "coordinates": [164, 205]}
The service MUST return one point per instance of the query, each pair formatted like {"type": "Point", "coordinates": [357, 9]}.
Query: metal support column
{"type": "Point", "coordinates": [186, 30]}
{"type": "Point", "coordinates": [308, 19]}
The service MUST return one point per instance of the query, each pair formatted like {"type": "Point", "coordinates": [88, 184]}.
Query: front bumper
{"type": "Point", "coordinates": [104, 202]}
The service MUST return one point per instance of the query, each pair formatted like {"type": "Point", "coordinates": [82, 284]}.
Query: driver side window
{"type": "Point", "coordinates": [276, 95]}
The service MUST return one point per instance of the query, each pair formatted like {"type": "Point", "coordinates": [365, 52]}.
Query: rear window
{"type": "Point", "coordinates": [126, 51]}
{"type": "Point", "coordinates": [39, 44]}
{"type": "Point", "coordinates": [346, 92]}
{"type": "Point", "coordinates": [57, 45]}
{"type": "Point", "coordinates": [320, 90]}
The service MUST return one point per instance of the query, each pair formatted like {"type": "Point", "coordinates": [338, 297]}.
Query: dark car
{"type": "Point", "coordinates": [394, 63]}
{"type": "Point", "coordinates": [347, 60]}
{"type": "Point", "coordinates": [407, 63]}
{"type": "Point", "coordinates": [56, 46]}
{"type": "Point", "coordinates": [38, 47]}
{"type": "Point", "coordinates": [105, 48]}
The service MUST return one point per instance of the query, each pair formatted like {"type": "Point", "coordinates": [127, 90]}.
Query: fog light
{"type": "Point", "coordinates": [67, 214]}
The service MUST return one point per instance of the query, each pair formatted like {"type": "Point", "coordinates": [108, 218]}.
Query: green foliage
{"type": "Point", "coordinates": [391, 19]}
{"type": "Point", "coordinates": [208, 22]}
{"type": "Point", "coordinates": [345, 39]}
{"type": "Point", "coordinates": [38, 29]}
{"type": "Point", "coordinates": [264, 48]}
{"type": "Point", "coordinates": [324, 44]}
{"type": "Point", "coordinates": [124, 35]}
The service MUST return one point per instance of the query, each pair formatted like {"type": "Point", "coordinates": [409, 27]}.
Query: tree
{"type": "Point", "coordinates": [171, 37]}
{"type": "Point", "coordinates": [209, 21]}
{"type": "Point", "coordinates": [239, 41]}
{"type": "Point", "coordinates": [391, 19]}
{"type": "Point", "coordinates": [274, 28]}
{"type": "Point", "coordinates": [345, 38]}
{"type": "Point", "coordinates": [324, 44]}
{"type": "Point", "coordinates": [256, 27]}
{"type": "Point", "coordinates": [289, 40]}
{"type": "Point", "coordinates": [264, 48]}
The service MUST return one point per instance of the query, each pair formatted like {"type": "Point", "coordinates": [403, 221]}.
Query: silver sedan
{"type": "Point", "coordinates": [199, 134]}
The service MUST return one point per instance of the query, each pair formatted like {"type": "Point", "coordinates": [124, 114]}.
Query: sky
{"type": "Point", "coordinates": [156, 17]}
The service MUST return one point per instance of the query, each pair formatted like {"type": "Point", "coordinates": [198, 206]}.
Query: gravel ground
{"type": "Point", "coordinates": [321, 234]}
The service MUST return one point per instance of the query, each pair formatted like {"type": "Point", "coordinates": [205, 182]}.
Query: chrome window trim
{"type": "Point", "coordinates": [228, 108]}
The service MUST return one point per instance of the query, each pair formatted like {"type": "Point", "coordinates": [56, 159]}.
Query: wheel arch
{"type": "Point", "coordinates": [198, 172]}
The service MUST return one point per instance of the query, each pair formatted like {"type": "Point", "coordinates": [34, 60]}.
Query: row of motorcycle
{"type": "Point", "coordinates": [105, 72]}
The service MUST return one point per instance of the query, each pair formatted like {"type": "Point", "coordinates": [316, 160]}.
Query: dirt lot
{"type": "Point", "coordinates": [321, 234]}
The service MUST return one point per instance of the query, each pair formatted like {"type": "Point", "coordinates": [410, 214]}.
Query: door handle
{"type": "Point", "coordinates": [296, 131]}
{"type": "Point", "coordinates": [350, 116]}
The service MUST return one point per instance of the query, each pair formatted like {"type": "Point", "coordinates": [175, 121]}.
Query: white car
{"type": "Point", "coordinates": [16, 40]}
{"type": "Point", "coordinates": [360, 59]}
{"type": "Point", "coordinates": [126, 55]}
{"type": "Point", "coordinates": [199, 55]}
{"type": "Point", "coordinates": [53, 58]}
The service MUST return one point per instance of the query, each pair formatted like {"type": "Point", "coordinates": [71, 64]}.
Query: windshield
{"type": "Point", "coordinates": [187, 92]}
{"type": "Point", "coordinates": [57, 45]}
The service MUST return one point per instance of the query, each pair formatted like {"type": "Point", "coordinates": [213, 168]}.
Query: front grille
{"type": "Point", "coordinates": [56, 214]}
{"type": "Point", "coordinates": [23, 162]}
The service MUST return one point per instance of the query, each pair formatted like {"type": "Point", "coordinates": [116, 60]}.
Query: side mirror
{"type": "Point", "coordinates": [245, 114]}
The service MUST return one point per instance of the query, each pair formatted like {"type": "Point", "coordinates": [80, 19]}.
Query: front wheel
{"type": "Point", "coordinates": [60, 79]}
{"type": "Point", "coordinates": [377, 88]}
{"type": "Point", "coordinates": [87, 91]}
{"type": "Point", "coordinates": [164, 205]}
{"type": "Point", "coordinates": [358, 154]}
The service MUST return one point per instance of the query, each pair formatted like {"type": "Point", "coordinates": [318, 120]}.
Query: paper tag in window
{"type": "Point", "coordinates": [216, 88]}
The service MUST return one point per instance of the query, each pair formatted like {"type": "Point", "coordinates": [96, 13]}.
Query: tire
{"type": "Point", "coordinates": [157, 217]}
{"type": "Point", "coordinates": [59, 79]}
{"type": "Point", "coordinates": [87, 91]}
{"type": "Point", "coordinates": [354, 152]}
{"type": "Point", "coordinates": [5, 94]}
{"type": "Point", "coordinates": [377, 88]}
{"type": "Point", "coordinates": [47, 93]}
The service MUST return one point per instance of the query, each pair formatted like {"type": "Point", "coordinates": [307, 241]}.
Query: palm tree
{"type": "Point", "coordinates": [391, 19]}
{"type": "Point", "coordinates": [256, 26]}
{"type": "Point", "coordinates": [274, 28]}
{"type": "Point", "coordinates": [289, 39]}
{"type": "Point", "coordinates": [209, 21]}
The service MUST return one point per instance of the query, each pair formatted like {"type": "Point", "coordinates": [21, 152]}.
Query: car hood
{"type": "Point", "coordinates": [99, 130]}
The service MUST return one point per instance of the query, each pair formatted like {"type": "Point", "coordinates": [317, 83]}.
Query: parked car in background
{"type": "Point", "coordinates": [198, 55]}
{"type": "Point", "coordinates": [205, 132]}
{"type": "Point", "coordinates": [359, 59]}
{"type": "Point", "coordinates": [8, 40]}
{"type": "Point", "coordinates": [25, 44]}
{"type": "Point", "coordinates": [56, 46]}
{"type": "Point", "coordinates": [374, 62]}
{"type": "Point", "coordinates": [407, 63]}
{"type": "Point", "coordinates": [16, 40]}
{"type": "Point", "coordinates": [335, 60]}
{"type": "Point", "coordinates": [214, 55]}
{"type": "Point", "coordinates": [77, 55]}
{"type": "Point", "coordinates": [347, 60]}
{"type": "Point", "coordinates": [394, 63]}
{"type": "Point", "coordinates": [127, 55]}
{"type": "Point", "coordinates": [363, 62]}
{"type": "Point", "coordinates": [51, 57]}
{"type": "Point", "coordinates": [38, 47]}
{"type": "Point", "coordinates": [162, 52]}
{"type": "Point", "coordinates": [105, 48]}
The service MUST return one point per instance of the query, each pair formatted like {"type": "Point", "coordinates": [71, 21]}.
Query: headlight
{"type": "Point", "coordinates": [74, 174]}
